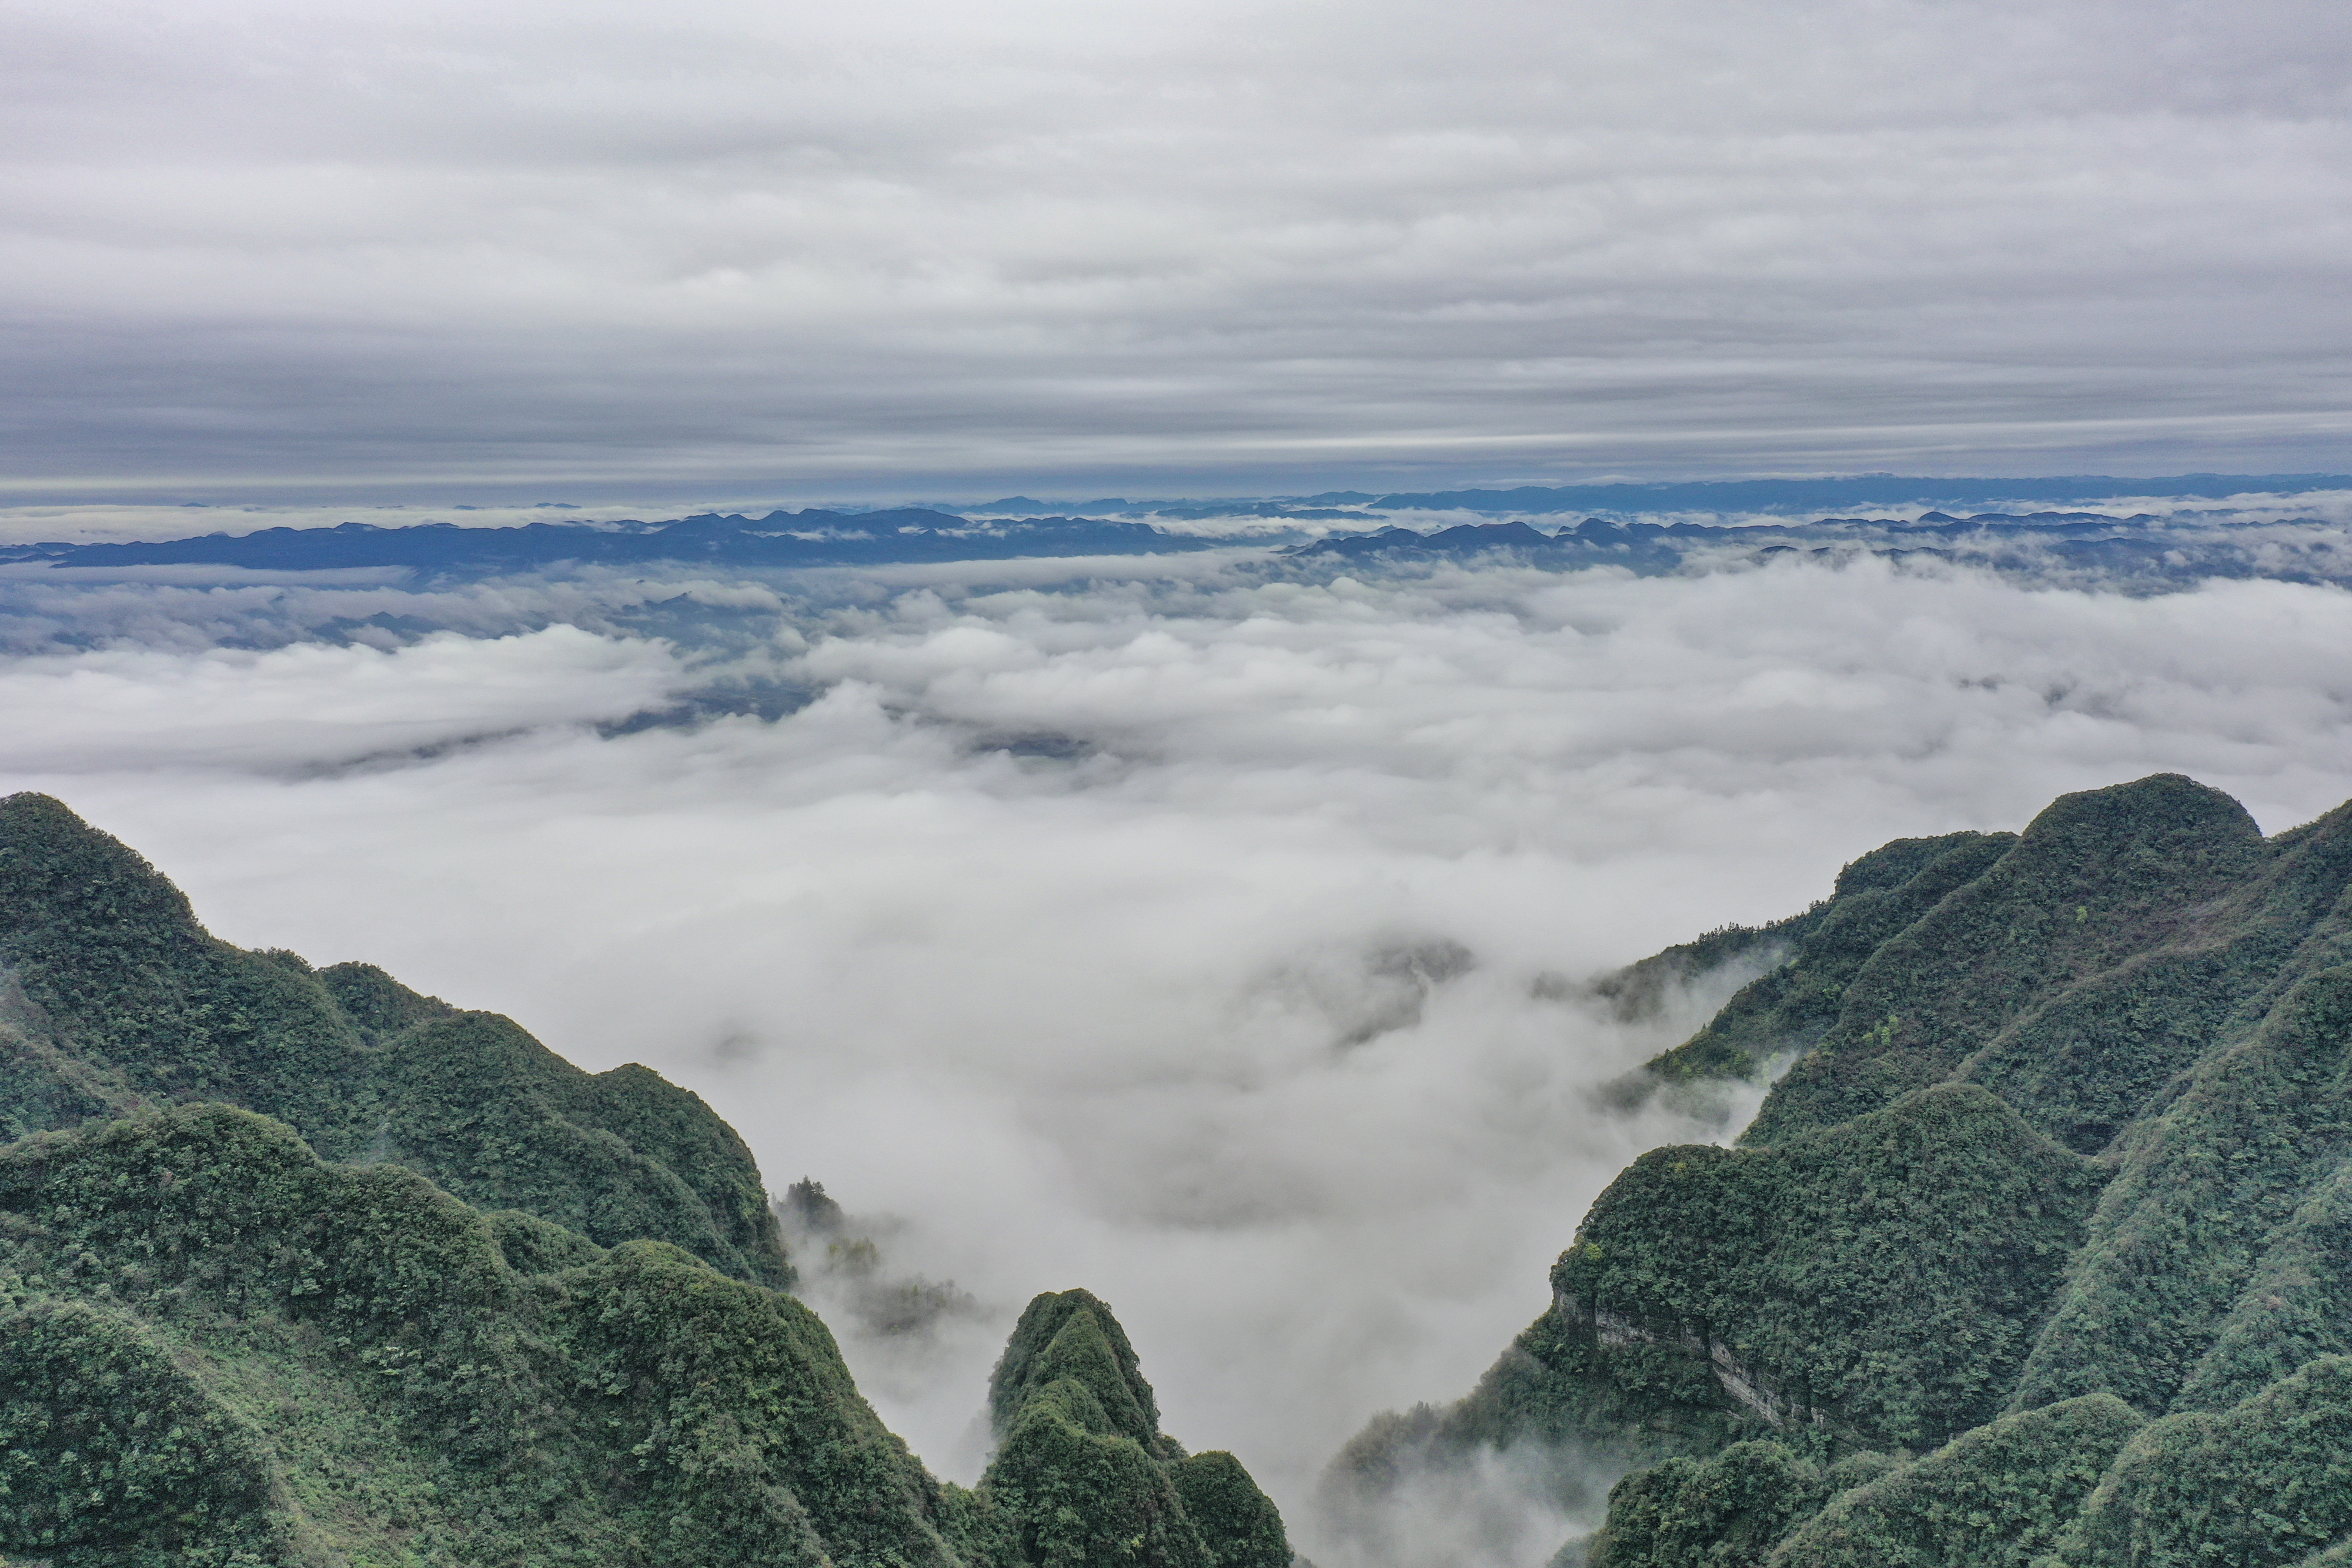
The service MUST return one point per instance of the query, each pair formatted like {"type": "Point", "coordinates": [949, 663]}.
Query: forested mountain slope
{"type": "Point", "coordinates": [217, 1349]}
{"type": "Point", "coordinates": [2046, 1230]}
{"type": "Point", "coordinates": [113, 998]}
{"type": "Point", "coordinates": [245, 1323]}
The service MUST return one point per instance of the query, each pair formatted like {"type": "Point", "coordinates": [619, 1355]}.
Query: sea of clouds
{"type": "Point", "coordinates": [1206, 935]}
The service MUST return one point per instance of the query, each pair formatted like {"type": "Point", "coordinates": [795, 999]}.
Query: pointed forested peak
{"type": "Point", "coordinates": [378, 1004]}
{"type": "Point", "coordinates": [1082, 1475]}
{"type": "Point", "coordinates": [1071, 1335]}
{"type": "Point", "coordinates": [2100, 879]}
{"type": "Point", "coordinates": [61, 877]}
{"type": "Point", "coordinates": [1238, 1524]}
{"type": "Point", "coordinates": [1891, 864]}
{"type": "Point", "coordinates": [2142, 837]}
{"type": "Point", "coordinates": [807, 1208]}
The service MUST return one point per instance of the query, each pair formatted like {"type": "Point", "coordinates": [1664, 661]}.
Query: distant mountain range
{"type": "Point", "coordinates": [1711, 496]}
{"type": "Point", "coordinates": [2122, 551]}
{"type": "Point", "coordinates": [2142, 546]}
{"type": "Point", "coordinates": [779, 540]}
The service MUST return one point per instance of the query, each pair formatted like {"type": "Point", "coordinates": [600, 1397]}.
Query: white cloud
{"type": "Point", "coordinates": [309, 705]}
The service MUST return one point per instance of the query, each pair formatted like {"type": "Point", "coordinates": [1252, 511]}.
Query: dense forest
{"type": "Point", "coordinates": [2038, 1253]}
{"type": "Point", "coordinates": [300, 1268]}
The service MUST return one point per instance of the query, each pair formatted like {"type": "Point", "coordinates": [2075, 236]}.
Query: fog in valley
{"type": "Point", "coordinates": [1210, 934]}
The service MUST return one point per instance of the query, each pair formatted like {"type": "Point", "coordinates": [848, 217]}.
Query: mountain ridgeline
{"type": "Point", "coordinates": [300, 1268]}
{"type": "Point", "coordinates": [113, 999]}
{"type": "Point", "coordinates": [2037, 1252]}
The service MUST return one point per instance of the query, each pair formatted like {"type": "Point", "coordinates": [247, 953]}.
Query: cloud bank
{"type": "Point", "coordinates": [268, 246]}
{"type": "Point", "coordinates": [1204, 939]}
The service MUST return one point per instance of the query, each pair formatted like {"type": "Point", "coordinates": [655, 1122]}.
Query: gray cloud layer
{"type": "Point", "coordinates": [255, 244]}
{"type": "Point", "coordinates": [1187, 935]}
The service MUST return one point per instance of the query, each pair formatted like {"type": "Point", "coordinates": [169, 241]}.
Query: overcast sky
{"type": "Point", "coordinates": [446, 249]}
